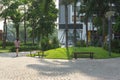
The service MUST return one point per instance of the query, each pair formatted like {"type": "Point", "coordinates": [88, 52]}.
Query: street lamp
{"type": "Point", "coordinates": [108, 15]}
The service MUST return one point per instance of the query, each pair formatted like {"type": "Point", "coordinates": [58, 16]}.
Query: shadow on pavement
{"type": "Point", "coordinates": [104, 69]}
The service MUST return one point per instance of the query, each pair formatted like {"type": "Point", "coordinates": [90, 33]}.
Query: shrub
{"type": "Point", "coordinates": [115, 45]}
{"type": "Point", "coordinates": [25, 48]}
{"type": "Point", "coordinates": [80, 43]}
{"type": "Point", "coordinates": [29, 44]}
{"type": "Point", "coordinates": [7, 43]}
{"type": "Point", "coordinates": [47, 44]}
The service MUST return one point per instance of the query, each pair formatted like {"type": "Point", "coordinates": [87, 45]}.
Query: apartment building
{"type": "Point", "coordinates": [80, 26]}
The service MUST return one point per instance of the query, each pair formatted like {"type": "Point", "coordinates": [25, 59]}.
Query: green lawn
{"type": "Point", "coordinates": [4, 50]}
{"type": "Point", "coordinates": [61, 53]}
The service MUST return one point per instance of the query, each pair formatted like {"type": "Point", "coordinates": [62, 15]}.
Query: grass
{"type": "Point", "coordinates": [61, 53]}
{"type": "Point", "coordinates": [4, 50]}
{"type": "Point", "coordinates": [100, 53]}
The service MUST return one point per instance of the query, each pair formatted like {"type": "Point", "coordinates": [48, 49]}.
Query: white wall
{"type": "Point", "coordinates": [1, 25]}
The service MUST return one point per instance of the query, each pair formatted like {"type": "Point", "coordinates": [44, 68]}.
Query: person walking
{"type": "Point", "coordinates": [17, 46]}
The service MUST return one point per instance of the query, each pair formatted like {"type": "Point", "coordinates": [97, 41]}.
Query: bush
{"type": "Point", "coordinates": [80, 43]}
{"type": "Point", "coordinates": [105, 46]}
{"type": "Point", "coordinates": [7, 43]}
{"type": "Point", "coordinates": [28, 44]}
{"type": "Point", "coordinates": [47, 44]}
{"type": "Point", "coordinates": [25, 48]}
{"type": "Point", "coordinates": [115, 45]}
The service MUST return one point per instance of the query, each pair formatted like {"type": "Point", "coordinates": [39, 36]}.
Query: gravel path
{"type": "Point", "coordinates": [28, 68]}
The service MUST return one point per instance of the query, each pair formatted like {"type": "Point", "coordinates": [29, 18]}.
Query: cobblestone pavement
{"type": "Point", "coordinates": [28, 68]}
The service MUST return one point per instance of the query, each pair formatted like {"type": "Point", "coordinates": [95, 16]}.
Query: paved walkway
{"type": "Point", "coordinates": [28, 68]}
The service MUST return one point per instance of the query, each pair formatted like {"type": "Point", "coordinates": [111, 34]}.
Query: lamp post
{"type": "Point", "coordinates": [108, 15]}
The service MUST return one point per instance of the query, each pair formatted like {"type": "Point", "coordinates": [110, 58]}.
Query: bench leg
{"type": "Point", "coordinates": [91, 55]}
{"type": "Point", "coordinates": [75, 56]}
{"type": "Point", "coordinates": [39, 54]}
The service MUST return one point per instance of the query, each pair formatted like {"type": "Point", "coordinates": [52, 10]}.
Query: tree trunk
{"type": "Point", "coordinates": [17, 30]}
{"type": "Point", "coordinates": [75, 25]}
{"type": "Point", "coordinates": [103, 31]}
{"type": "Point", "coordinates": [33, 32]}
{"type": "Point", "coordinates": [25, 33]}
{"type": "Point", "coordinates": [66, 25]}
{"type": "Point", "coordinates": [4, 34]}
{"type": "Point", "coordinates": [86, 32]}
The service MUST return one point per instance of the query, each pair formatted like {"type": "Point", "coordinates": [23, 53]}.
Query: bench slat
{"type": "Point", "coordinates": [76, 53]}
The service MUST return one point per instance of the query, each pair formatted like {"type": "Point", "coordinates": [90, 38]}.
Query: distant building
{"type": "Point", "coordinates": [80, 26]}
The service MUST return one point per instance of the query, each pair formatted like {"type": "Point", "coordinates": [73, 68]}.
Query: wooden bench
{"type": "Point", "coordinates": [77, 53]}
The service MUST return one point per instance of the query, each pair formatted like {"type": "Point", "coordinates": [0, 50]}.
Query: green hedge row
{"type": "Point", "coordinates": [7, 43]}
{"type": "Point", "coordinates": [25, 48]}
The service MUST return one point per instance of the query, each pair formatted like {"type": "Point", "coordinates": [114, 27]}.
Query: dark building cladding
{"type": "Point", "coordinates": [71, 26]}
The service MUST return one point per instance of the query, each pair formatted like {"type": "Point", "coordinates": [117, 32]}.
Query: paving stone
{"type": "Point", "coordinates": [29, 68]}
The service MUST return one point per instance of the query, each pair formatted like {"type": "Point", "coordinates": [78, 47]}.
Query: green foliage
{"type": "Point", "coordinates": [66, 2]}
{"type": "Point", "coordinates": [47, 43]}
{"type": "Point", "coordinates": [33, 14]}
{"type": "Point", "coordinates": [116, 27]}
{"type": "Point", "coordinates": [55, 43]}
{"type": "Point", "coordinates": [105, 46]}
{"type": "Point", "coordinates": [80, 43]}
{"type": "Point", "coordinates": [25, 48]}
{"type": "Point", "coordinates": [115, 46]}
{"type": "Point", "coordinates": [29, 44]}
{"type": "Point", "coordinates": [97, 21]}
{"type": "Point", "coordinates": [7, 43]}
{"type": "Point", "coordinates": [42, 21]}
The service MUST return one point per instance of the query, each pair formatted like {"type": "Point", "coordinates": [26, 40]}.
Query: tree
{"type": "Point", "coordinates": [99, 8]}
{"type": "Point", "coordinates": [87, 15]}
{"type": "Point", "coordinates": [75, 2]}
{"type": "Point", "coordinates": [4, 15]}
{"type": "Point", "coordinates": [25, 3]}
{"type": "Point", "coordinates": [43, 22]}
{"type": "Point", "coordinates": [116, 27]}
{"type": "Point", "coordinates": [15, 15]}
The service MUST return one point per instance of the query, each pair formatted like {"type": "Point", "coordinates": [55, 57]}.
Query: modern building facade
{"type": "Point", "coordinates": [80, 26]}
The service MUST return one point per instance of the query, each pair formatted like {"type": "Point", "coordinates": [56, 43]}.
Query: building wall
{"type": "Point", "coordinates": [82, 32]}
{"type": "Point", "coordinates": [62, 14]}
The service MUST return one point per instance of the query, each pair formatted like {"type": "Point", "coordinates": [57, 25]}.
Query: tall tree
{"type": "Point", "coordinates": [83, 9]}
{"type": "Point", "coordinates": [4, 14]}
{"type": "Point", "coordinates": [42, 20]}
{"type": "Point", "coordinates": [25, 3]}
{"type": "Point", "coordinates": [99, 8]}
{"type": "Point", "coordinates": [15, 15]}
{"type": "Point", "coordinates": [75, 3]}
